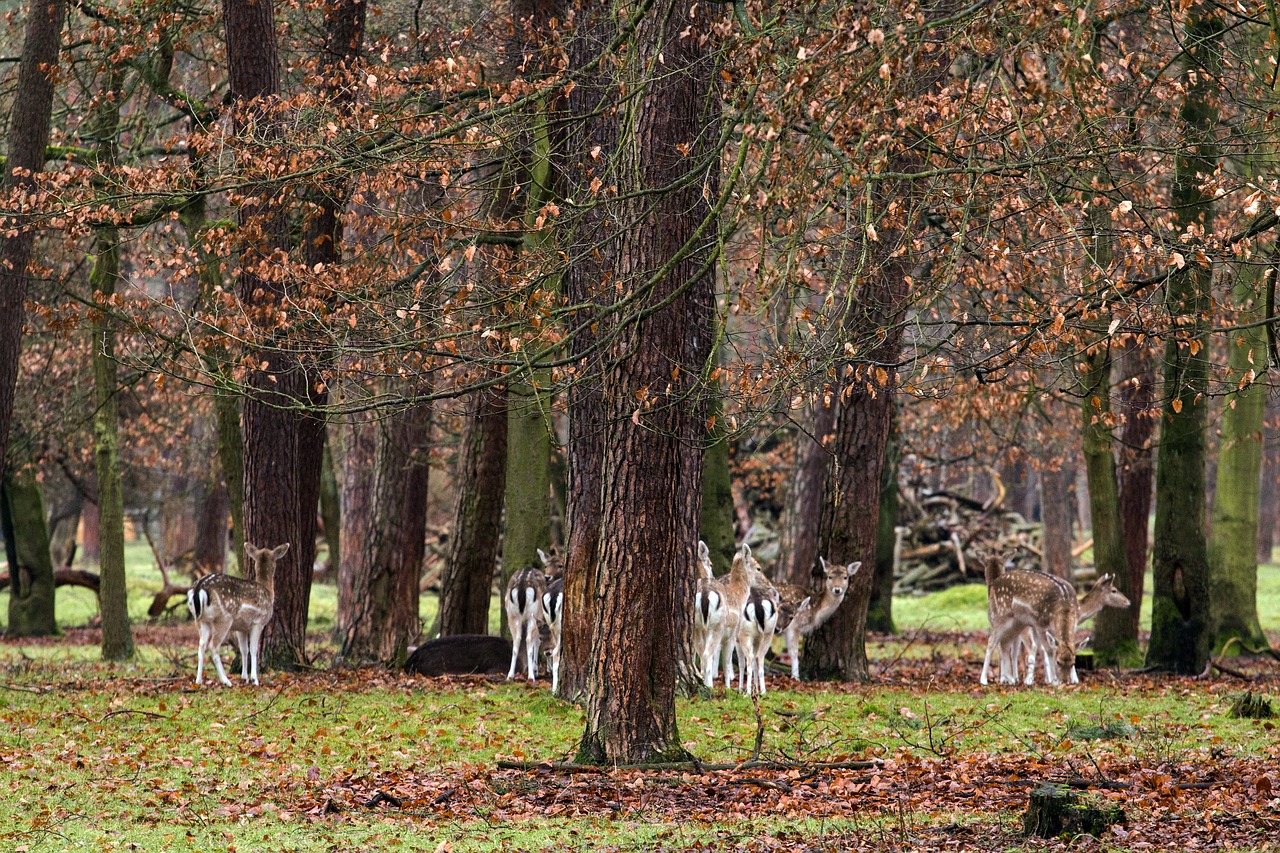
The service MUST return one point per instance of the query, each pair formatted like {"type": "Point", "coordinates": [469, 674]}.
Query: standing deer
{"type": "Point", "coordinates": [1102, 593]}
{"type": "Point", "coordinates": [718, 611]}
{"type": "Point", "coordinates": [523, 603]}
{"type": "Point", "coordinates": [221, 604]}
{"type": "Point", "coordinates": [1021, 601]}
{"type": "Point", "coordinates": [755, 635]}
{"type": "Point", "coordinates": [805, 617]}
{"type": "Point", "coordinates": [553, 611]}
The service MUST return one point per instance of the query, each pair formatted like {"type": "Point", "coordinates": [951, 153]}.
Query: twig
{"type": "Point", "coordinates": [383, 797]}
{"type": "Point", "coordinates": [264, 707]}
{"type": "Point", "coordinates": [760, 783]}
{"type": "Point", "coordinates": [125, 712]}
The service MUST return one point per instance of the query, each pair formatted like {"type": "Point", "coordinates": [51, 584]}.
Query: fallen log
{"type": "Point", "coordinates": [66, 577]}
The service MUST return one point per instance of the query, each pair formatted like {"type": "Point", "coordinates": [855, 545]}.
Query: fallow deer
{"type": "Point", "coordinates": [523, 603]}
{"type": "Point", "coordinates": [1018, 601]}
{"type": "Point", "coordinates": [719, 603]}
{"type": "Point", "coordinates": [223, 604]}
{"type": "Point", "coordinates": [806, 616]}
{"type": "Point", "coordinates": [1102, 593]}
{"type": "Point", "coordinates": [756, 627]}
{"type": "Point", "coordinates": [553, 612]}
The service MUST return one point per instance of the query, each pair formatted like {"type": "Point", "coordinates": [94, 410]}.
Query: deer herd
{"type": "Point", "coordinates": [735, 617]}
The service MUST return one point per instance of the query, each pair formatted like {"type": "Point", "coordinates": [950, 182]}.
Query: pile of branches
{"type": "Point", "coordinates": [942, 537]}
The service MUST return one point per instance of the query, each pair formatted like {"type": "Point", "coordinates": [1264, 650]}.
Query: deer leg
{"type": "Point", "coordinates": [793, 652]}
{"type": "Point", "coordinates": [514, 628]}
{"type": "Point", "coordinates": [531, 646]}
{"type": "Point", "coordinates": [242, 641]}
{"type": "Point", "coordinates": [255, 644]}
{"type": "Point", "coordinates": [204, 642]}
{"type": "Point", "coordinates": [992, 642]}
{"type": "Point", "coordinates": [215, 644]}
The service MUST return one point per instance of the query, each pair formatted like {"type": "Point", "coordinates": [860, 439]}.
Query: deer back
{"type": "Point", "coordinates": [526, 588]}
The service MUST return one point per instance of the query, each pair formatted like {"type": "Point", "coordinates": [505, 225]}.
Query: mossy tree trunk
{"type": "Point", "coordinates": [1180, 626]}
{"type": "Point", "coordinates": [26, 536]}
{"type": "Point", "coordinates": [1233, 565]}
{"type": "Point", "coordinates": [117, 638]}
{"type": "Point", "coordinates": [880, 607]}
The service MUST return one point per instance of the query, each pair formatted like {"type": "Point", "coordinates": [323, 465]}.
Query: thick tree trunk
{"type": "Point", "coordinates": [28, 135]}
{"type": "Point", "coordinates": [528, 480]}
{"type": "Point", "coordinates": [798, 555]}
{"type": "Point", "coordinates": [26, 536]}
{"type": "Point", "coordinates": [475, 536]}
{"type": "Point", "coordinates": [384, 496]}
{"type": "Point", "coordinates": [1180, 627]}
{"type": "Point", "coordinates": [1057, 515]}
{"type": "Point", "coordinates": [665, 167]}
{"type": "Point", "coordinates": [1233, 565]}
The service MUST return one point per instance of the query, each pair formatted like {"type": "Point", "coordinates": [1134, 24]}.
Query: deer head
{"type": "Point", "coordinates": [263, 561]}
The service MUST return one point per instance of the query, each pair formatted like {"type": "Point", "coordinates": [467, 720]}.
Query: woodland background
{"type": "Point", "coordinates": [436, 287]}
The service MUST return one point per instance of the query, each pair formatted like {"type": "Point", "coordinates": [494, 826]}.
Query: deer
{"type": "Point", "coordinates": [1102, 593]}
{"type": "Point", "coordinates": [1019, 601]}
{"type": "Point", "coordinates": [718, 609]}
{"type": "Point", "coordinates": [222, 604]}
{"type": "Point", "coordinates": [523, 603]}
{"type": "Point", "coordinates": [805, 616]}
{"type": "Point", "coordinates": [553, 612]}
{"type": "Point", "coordinates": [756, 627]}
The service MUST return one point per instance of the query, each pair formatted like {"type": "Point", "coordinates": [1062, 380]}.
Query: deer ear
{"type": "Point", "coordinates": [704, 553]}
{"type": "Point", "coordinates": [854, 566]}
{"type": "Point", "coordinates": [542, 555]}
{"type": "Point", "coordinates": [250, 549]}
{"type": "Point", "coordinates": [279, 551]}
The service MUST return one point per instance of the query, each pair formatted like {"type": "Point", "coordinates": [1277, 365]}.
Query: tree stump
{"type": "Point", "coordinates": [1251, 707]}
{"type": "Point", "coordinates": [1055, 810]}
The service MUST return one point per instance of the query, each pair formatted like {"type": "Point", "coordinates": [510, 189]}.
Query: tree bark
{"type": "Point", "coordinates": [113, 603]}
{"type": "Point", "coordinates": [331, 512]}
{"type": "Point", "coordinates": [665, 166]}
{"type": "Point", "coordinates": [384, 495]}
{"type": "Point", "coordinates": [1180, 626]}
{"type": "Point", "coordinates": [1057, 517]}
{"type": "Point", "coordinates": [1232, 548]}
{"type": "Point", "coordinates": [475, 536]}
{"type": "Point", "coordinates": [1136, 474]}
{"type": "Point", "coordinates": [527, 492]}
{"type": "Point", "coordinates": [716, 524]}
{"type": "Point", "coordinates": [880, 607]}
{"type": "Point", "coordinates": [1269, 500]}
{"type": "Point", "coordinates": [799, 549]}
{"type": "Point", "coordinates": [26, 536]}
{"type": "Point", "coordinates": [28, 135]}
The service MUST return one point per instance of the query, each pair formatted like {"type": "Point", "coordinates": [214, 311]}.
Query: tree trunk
{"type": "Point", "coordinates": [384, 496]}
{"type": "Point", "coordinates": [26, 536]}
{"type": "Point", "coordinates": [1232, 549]}
{"type": "Point", "coordinates": [716, 525]}
{"type": "Point", "coordinates": [475, 536]}
{"type": "Point", "coordinates": [799, 548]}
{"type": "Point", "coordinates": [1057, 516]}
{"type": "Point", "coordinates": [113, 603]}
{"type": "Point", "coordinates": [527, 489]}
{"type": "Point", "coordinates": [28, 135]}
{"type": "Point", "coordinates": [880, 607]}
{"type": "Point", "coordinates": [1111, 641]}
{"type": "Point", "coordinates": [89, 550]}
{"type": "Point", "coordinates": [331, 513]}
{"type": "Point", "coordinates": [1180, 627]}
{"type": "Point", "coordinates": [665, 167]}
{"type": "Point", "coordinates": [1269, 500]}
{"type": "Point", "coordinates": [1136, 476]}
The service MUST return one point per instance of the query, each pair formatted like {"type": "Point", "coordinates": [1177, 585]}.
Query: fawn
{"type": "Point", "coordinates": [1102, 593]}
{"type": "Point", "coordinates": [221, 604]}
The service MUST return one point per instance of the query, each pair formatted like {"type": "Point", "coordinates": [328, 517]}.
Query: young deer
{"type": "Point", "coordinates": [755, 635]}
{"type": "Point", "coordinates": [1019, 601]}
{"type": "Point", "coordinates": [222, 604]}
{"type": "Point", "coordinates": [1102, 594]}
{"type": "Point", "coordinates": [719, 604]}
{"type": "Point", "coordinates": [707, 610]}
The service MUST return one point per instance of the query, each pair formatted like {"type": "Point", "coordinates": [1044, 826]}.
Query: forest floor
{"type": "Point", "coordinates": [136, 757]}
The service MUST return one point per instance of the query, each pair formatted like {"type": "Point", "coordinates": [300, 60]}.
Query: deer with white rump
{"type": "Point", "coordinates": [718, 610]}
{"type": "Point", "coordinates": [222, 604]}
{"type": "Point", "coordinates": [807, 616]}
{"type": "Point", "coordinates": [1102, 593]}
{"type": "Point", "coordinates": [523, 602]}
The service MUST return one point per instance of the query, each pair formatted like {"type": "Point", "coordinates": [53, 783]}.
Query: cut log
{"type": "Point", "coordinates": [1054, 809]}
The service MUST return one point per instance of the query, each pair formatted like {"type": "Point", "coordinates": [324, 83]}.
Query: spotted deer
{"type": "Point", "coordinates": [801, 616]}
{"type": "Point", "coordinates": [222, 604]}
{"type": "Point", "coordinates": [718, 610]}
{"type": "Point", "coordinates": [1021, 601]}
{"type": "Point", "coordinates": [523, 602]}
{"type": "Point", "coordinates": [1102, 593]}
